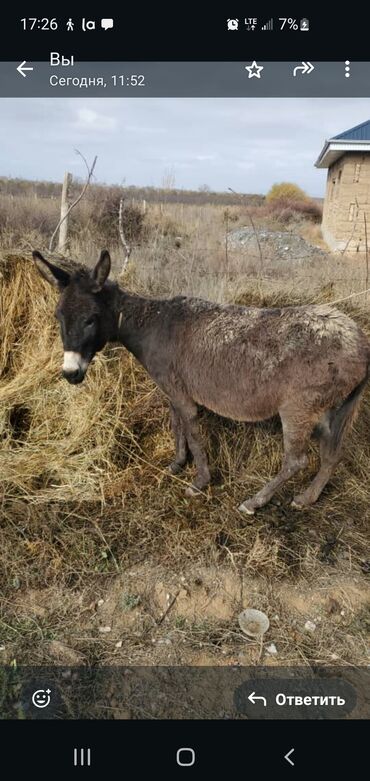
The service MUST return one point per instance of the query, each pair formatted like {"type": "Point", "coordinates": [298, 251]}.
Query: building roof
{"type": "Point", "coordinates": [356, 139]}
{"type": "Point", "coordinates": [357, 133]}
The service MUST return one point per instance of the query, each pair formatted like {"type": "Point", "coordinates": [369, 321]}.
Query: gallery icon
{"type": "Point", "coordinates": [232, 24]}
{"type": "Point", "coordinates": [254, 70]}
{"type": "Point", "coordinates": [41, 698]}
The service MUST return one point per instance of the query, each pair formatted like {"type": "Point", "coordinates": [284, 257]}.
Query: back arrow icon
{"type": "Point", "coordinates": [287, 757]}
{"type": "Point", "coordinates": [306, 67]}
{"type": "Point", "coordinates": [21, 69]}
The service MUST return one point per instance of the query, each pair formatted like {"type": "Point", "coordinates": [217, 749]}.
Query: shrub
{"type": "Point", "coordinates": [103, 219]}
{"type": "Point", "coordinates": [288, 210]}
{"type": "Point", "coordinates": [287, 191]}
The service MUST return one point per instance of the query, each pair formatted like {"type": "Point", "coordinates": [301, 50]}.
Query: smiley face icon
{"type": "Point", "coordinates": [41, 698]}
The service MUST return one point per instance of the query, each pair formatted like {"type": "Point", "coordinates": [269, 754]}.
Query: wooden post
{"type": "Point", "coordinates": [226, 218]}
{"type": "Point", "coordinates": [63, 230]}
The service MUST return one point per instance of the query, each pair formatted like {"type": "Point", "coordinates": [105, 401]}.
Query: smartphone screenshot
{"type": "Point", "coordinates": [184, 391]}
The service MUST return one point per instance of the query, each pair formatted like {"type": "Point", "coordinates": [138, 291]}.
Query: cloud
{"type": "Point", "coordinates": [246, 165]}
{"type": "Point", "coordinates": [145, 130]}
{"type": "Point", "coordinates": [246, 144]}
{"type": "Point", "coordinates": [88, 118]}
{"type": "Point", "coordinates": [205, 158]}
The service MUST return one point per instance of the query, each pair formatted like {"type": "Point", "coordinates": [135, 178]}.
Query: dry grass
{"type": "Point", "coordinates": [89, 511]}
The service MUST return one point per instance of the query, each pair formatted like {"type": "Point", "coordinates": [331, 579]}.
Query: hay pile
{"type": "Point", "coordinates": [57, 442]}
{"type": "Point", "coordinates": [103, 447]}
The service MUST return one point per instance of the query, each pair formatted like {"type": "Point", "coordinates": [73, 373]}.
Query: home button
{"type": "Point", "coordinates": [185, 757]}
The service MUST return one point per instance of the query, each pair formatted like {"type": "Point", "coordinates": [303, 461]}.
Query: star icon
{"type": "Point", "coordinates": [254, 70]}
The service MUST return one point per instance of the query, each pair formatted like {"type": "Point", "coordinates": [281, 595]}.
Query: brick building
{"type": "Point", "coordinates": [346, 215]}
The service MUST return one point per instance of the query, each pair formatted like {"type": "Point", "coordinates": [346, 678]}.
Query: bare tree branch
{"type": "Point", "coordinates": [76, 201]}
{"type": "Point", "coordinates": [253, 227]}
{"type": "Point", "coordinates": [84, 160]}
{"type": "Point", "coordinates": [352, 295]}
{"type": "Point", "coordinates": [122, 236]}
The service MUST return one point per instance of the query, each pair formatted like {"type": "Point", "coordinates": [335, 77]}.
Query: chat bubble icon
{"type": "Point", "coordinates": [107, 24]}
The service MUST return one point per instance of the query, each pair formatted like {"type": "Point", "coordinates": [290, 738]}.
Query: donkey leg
{"type": "Point", "coordinates": [296, 435]}
{"type": "Point", "coordinates": [330, 453]}
{"type": "Point", "coordinates": [188, 412]}
{"type": "Point", "coordinates": [181, 444]}
{"type": "Point", "coordinates": [333, 427]}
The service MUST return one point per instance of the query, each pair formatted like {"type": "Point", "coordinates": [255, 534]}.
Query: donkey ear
{"type": "Point", "coordinates": [54, 275]}
{"type": "Point", "coordinates": [101, 271]}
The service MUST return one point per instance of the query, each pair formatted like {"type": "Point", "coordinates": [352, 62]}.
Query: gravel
{"type": "Point", "coordinates": [277, 244]}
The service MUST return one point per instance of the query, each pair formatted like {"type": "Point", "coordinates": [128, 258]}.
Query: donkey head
{"type": "Point", "coordinates": [84, 312]}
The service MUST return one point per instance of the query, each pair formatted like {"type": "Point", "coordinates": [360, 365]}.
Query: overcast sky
{"type": "Point", "coordinates": [245, 144]}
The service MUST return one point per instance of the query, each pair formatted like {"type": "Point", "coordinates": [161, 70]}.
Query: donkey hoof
{"type": "Point", "coordinates": [298, 503]}
{"type": "Point", "coordinates": [192, 490]}
{"type": "Point", "coordinates": [174, 468]}
{"type": "Point", "coordinates": [246, 507]}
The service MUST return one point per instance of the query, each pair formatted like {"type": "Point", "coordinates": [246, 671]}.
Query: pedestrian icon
{"type": "Point", "coordinates": [70, 25]}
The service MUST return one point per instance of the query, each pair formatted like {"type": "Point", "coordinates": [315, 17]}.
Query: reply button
{"type": "Point", "coordinates": [305, 698]}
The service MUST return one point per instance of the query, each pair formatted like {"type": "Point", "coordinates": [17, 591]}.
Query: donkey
{"type": "Point", "coordinates": [309, 364]}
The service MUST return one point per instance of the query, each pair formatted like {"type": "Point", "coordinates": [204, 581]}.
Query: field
{"type": "Point", "coordinates": [103, 560]}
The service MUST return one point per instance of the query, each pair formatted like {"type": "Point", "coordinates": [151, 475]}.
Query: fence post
{"type": "Point", "coordinates": [63, 230]}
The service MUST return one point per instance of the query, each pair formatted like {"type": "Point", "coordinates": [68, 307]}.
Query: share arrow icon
{"type": "Point", "coordinates": [306, 68]}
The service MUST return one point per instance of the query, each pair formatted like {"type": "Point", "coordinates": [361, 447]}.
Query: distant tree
{"type": "Point", "coordinates": [286, 191]}
{"type": "Point", "coordinates": [168, 179]}
{"type": "Point", "coordinates": [204, 188]}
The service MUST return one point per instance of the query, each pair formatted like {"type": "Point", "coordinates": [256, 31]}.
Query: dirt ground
{"type": "Point", "coordinates": [155, 615]}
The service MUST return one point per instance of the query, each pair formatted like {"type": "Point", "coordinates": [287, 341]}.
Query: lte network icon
{"type": "Point", "coordinates": [232, 24]}
{"type": "Point", "coordinates": [107, 24]}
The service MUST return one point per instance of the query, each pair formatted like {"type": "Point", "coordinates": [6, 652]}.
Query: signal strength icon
{"type": "Point", "coordinates": [269, 25]}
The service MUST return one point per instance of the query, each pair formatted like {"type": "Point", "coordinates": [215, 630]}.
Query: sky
{"type": "Point", "coordinates": [244, 144]}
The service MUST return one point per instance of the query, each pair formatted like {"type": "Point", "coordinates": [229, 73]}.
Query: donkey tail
{"type": "Point", "coordinates": [342, 418]}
